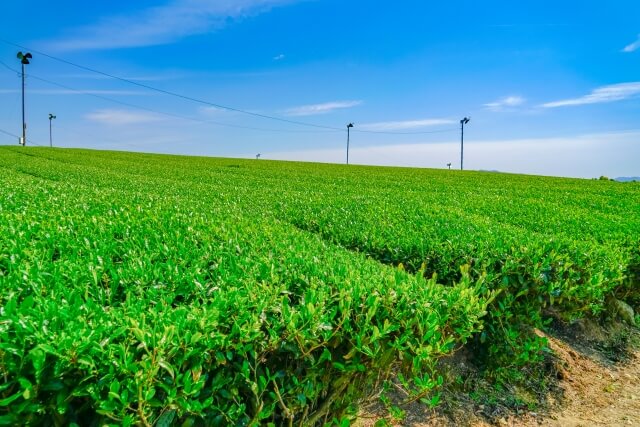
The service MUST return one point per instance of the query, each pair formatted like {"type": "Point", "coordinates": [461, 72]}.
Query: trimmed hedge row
{"type": "Point", "coordinates": [121, 308]}
{"type": "Point", "coordinates": [147, 289]}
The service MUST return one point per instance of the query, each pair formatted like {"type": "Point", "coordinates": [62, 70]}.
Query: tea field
{"type": "Point", "coordinates": [140, 289]}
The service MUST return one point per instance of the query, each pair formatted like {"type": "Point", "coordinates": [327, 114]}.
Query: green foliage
{"type": "Point", "coordinates": [127, 301]}
{"type": "Point", "coordinates": [160, 290]}
{"type": "Point", "coordinates": [530, 264]}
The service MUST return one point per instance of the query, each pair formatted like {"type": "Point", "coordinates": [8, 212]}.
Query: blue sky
{"type": "Point", "coordinates": [552, 88]}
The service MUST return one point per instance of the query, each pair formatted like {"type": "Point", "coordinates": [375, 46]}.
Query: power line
{"type": "Point", "coordinates": [10, 68]}
{"type": "Point", "coordinates": [179, 116]}
{"type": "Point", "coordinates": [200, 101]}
{"type": "Point", "coordinates": [170, 93]}
{"type": "Point", "coordinates": [17, 136]}
{"type": "Point", "coordinates": [9, 133]}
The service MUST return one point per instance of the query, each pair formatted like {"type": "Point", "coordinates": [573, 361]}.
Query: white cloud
{"type": "Point", "coordinates": [279, 57]}
{"type": "Point", "coordinates": [123, 117]}
{"type": "Point", "coordinates": [506, 103]}
{"type": "Point", "coordinates": [162, 24]}
{"type": "Point", "coordinates": [611, 154]}
{"type": "Point", "coordinates": [633, 46]}
{"type": "Point", "coordinates": [405, 125]}
{"type": "Point", "coordinates": [327, 107]}
{"type": "Point", "coordinates": [611, 93]}
{"type": "Point", "coordinates": [211, 111]}
{"type": "Point", "coordinates": [137, 78]}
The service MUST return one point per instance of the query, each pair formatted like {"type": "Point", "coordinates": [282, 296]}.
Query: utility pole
{"type": "Point", "coordinates": [51, 117]}
{"type": "Point", "coordinates": [24, 60]}
{"type": "Point", "coordinates": [349, 126]}
{"type": "Point", "coordinates": [462, 123]}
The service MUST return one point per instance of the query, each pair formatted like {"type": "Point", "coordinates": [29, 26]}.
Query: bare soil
{"type": "Point", "coordinates": [596, 383]}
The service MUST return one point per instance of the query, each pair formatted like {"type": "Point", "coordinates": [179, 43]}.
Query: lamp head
{"type": "Point", "coordinates": [51, 116]}
{"type": "Point", "coordinates": [465, 120]}
{"type": "Point", "coordinates": [350, 125]}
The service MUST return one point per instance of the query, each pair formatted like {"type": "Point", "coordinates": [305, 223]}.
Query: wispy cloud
{"type": "Point", "coordinates": [211, 111]}
{"type": "Point", "coordinates": [162, 24]}
{"type": "Point", "coordinates": [279, 57]}
{"type": "Point", "coordinates": [612, 154]}
{"type": "Point", "coordinates": [327, 107]}
{"type": "Point", "coordinates": [633, 46]}
{"type": "Point", "coordinates": [506, 103]}
{"type": "Point", "coordinates": [137, 78]}
{"type": "Point", "coordinates": [79, 92]}
{"type": "Point", "coordinates": [123, 117]}
{"type": "Point", "coordinates": [405, 125]}
{"type": "Point", "coordinates": [611, 93]}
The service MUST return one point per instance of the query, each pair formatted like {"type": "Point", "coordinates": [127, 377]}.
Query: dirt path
{"type": "Point", "coordinates": [597, 392]}
{"type": "Point", "coordinates": [593, 391]}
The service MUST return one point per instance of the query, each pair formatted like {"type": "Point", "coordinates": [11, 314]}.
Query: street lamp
{"type": "Point", "coordinates": [449, 166]}
{"type": "Point", "coordinates": [462, 123]}
{"type": "Point", "coordinates": [349, 126]}
{"type": "Point", "coordinates": [24, 60]}
{"type": "Point", "coordinates": [51, 117]}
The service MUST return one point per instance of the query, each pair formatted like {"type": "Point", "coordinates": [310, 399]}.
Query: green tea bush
{"type": "Point", "coordinates": [126, 308]}
{"type": "Point", "coordinates": [529, 272]}
{"type": "Point", "coordinates": [148, 289]}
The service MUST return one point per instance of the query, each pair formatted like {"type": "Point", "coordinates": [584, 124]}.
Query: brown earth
{"type": "Point", "coordinates": [597, 383]}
